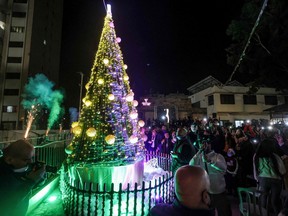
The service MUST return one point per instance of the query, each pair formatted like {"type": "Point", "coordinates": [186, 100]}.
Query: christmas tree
{"type": "Point", "coordinates": [107, 132]}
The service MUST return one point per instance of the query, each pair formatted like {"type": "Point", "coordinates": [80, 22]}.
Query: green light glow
{"type": "Point", "coordinates": [52, 198]}
{"type": "Point", "coordinates": [40, 196]}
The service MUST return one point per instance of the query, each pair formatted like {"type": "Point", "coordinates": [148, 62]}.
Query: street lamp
{"type": "Point", "coordinates": [81, 88]}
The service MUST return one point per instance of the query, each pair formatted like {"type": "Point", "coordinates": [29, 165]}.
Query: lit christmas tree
{"type": "Point", "coordinates": [107, 132]}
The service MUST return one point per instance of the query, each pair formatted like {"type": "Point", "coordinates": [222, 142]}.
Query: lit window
{"type": "Point", "coordinates": [9, 108]}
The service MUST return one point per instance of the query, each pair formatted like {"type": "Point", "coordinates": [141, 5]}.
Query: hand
{"type": "Point", "coordinates": [37, 175]}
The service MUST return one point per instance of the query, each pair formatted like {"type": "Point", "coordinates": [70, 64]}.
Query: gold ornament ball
{"type": "Point", "coordinates": [91, 132]}
{"type": "Point", "coordinates": [110, 139]}
{"type": "Point", "coordinates": [126, 77]}
{"type": "Point", "coordinates": [77, 130]}
{"type": "Point", "coordinates": [74, 124]}
{"type": "Point", "coordinates": [87, 86]}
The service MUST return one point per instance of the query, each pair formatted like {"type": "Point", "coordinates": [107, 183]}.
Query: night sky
{"type": "Point", "coordinates": [167, 46]}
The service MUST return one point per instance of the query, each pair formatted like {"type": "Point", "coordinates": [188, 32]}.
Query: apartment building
{"type": "Point", "coordinates": [30, 43]}
{"type": "Point", "coordinates": [232, 103]}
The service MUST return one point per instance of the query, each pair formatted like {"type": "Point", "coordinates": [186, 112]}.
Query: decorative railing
{"type": "Point", "coordinates": [84, 198]}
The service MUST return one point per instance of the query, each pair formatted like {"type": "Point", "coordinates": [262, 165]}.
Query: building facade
{"type": "Point", "coordinates": [232, 103]}
{"type": "Point", "coordinates": [168, 108]}
{"type": "Point", "coordinates": [30, 44]}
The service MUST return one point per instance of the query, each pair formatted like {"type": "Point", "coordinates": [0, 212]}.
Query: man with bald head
{"type": "Point", "coordinates": [17, 178]}
{"type": "Point", "coordinates": [192, 197]}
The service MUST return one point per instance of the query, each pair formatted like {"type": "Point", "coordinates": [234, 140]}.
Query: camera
{"type": "Point", "coordinates": [38, 164]}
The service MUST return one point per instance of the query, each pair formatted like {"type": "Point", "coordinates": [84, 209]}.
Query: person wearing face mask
{"type": "Point", "coordinates": [191, 190]}
{"type": "Point", "coordinates": [215, 166]}
{"type": "Point", "coordinates": [17, 178]}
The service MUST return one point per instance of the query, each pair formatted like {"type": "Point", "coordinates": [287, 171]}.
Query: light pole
{"type": "Point", "coordinates": [81, 88]}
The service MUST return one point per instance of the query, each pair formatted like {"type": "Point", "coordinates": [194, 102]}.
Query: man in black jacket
{"type": "Point", "coordinates": [17, 178]}
{"type": "Point", "coordinates": [192, 197]}
{"type": "Point", "coordinates": [183, 150]}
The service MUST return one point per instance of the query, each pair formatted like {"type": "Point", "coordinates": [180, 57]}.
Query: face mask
{"type": "Point", "coordinates": [20, 170]}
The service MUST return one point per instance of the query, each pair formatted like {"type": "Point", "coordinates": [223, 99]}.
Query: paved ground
{"type": "Point", "coordinates": [49, 207]}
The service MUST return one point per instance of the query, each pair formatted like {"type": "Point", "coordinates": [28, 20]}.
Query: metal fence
{"type": "Point", "coordinates": [87, 199]}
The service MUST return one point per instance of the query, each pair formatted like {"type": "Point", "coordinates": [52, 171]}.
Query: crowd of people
{"type": "Point", "coordinates": [250, 155]}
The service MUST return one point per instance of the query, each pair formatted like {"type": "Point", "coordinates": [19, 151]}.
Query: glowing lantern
{"type": "Point", "coordinates": [69, 149]}
{"type": "Point", "coordinates": [88, 103]}
{"type": "Point", "coordinates": [77, 130]}
{"type": "Point", "coordinates": [125, 66]}
{"type": "Point", "coordinates": [105, 61]}
{"type": "Point", "coordinates": [133, 115]}
{"type": "Point", "coordinates": [130, 97]}
{"type": "Point", "coordinates": [111, 97]}
{"type": "Point", "coordinates": [74, 124]}
{"type": "Point", "coordinates": [135, 103]}
{"type": "Point", "coordinates": [141, 123]}
{"type": "Point", "coordinates": [110, 139]}
{"type": "Point", "coordinates": [126, 78]}
{"type": "Point", "coordinates": [100, 81]}
{"type": "Point", "coordinates": [91, 132]}
{"type": "Point", "coordinates": [133, 139]}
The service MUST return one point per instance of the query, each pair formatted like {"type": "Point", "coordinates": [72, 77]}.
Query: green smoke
{"type": "Point", "coordinates": [39, 92]}
{"type": "Point", "coordinates": [56, 110]}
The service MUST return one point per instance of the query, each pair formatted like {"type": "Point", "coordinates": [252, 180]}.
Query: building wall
{"type": "Point", "coordinates": [179, 106]}
{"type": "Point", "coordinates": [31, 45]}
{"type": "Point", "coordinates": [238, 110]}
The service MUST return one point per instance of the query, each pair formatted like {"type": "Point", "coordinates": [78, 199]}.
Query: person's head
{"type": "Point", "coordinates": [191, 186]}
{"type": "Point", "coordinates": [166, 135]}
{"type": "Point", "coordinates": [205, 145]}
{"type": "Point", "coordinates": [194, 127]}
{"type": "Point", "coordinates": [230, 152]}
{"type": "Point", "coordinates": [266, 148]}
{"type": "Point", "coordinates": [19, 154]}
{"type": "Point", "coordinates": [181, 133]}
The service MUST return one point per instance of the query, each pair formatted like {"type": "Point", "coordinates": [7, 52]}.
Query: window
{"type": "Point", "coordinates": [249, 99]}
{"type": "Point", "coordinates": [11, 92]}
{"type": "Point", "coordinates": [10, 109]}
{"type": "Point", "coordinates": [15, 44]}
{"type": "Point", "coordinates": [211, 100]}
{"type": "Point", "coordinates": [227, 99]}
{"type": "Point", "coordinates": [18, 14]}
{"type": "Point", "coordinates": [12, 76]}
{"type": "Point", "coordinates": [18, 29]}
{"type": "Point", "coordinates": [270, 100]}
{"type": "Point", "coordinates": [14, 60]}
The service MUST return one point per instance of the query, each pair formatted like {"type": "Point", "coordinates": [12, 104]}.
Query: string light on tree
{"type": "Point", "coordinates": [107, 131]}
